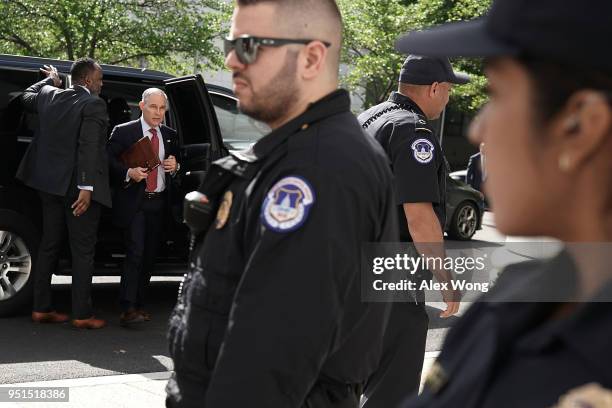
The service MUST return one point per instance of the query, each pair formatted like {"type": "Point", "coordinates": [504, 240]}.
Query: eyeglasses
{"type": "Point", "coordinates": [246, 46]}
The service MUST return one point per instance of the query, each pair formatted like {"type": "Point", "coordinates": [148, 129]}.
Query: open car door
{"type": "Point", "coordinates": [193, 116]}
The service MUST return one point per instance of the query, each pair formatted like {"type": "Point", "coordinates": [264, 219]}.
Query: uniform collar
{"type": "Point", "coordinates": [332, 104]}
{"type": "Point", "coordinates": [402, 99]}
{"type": "Point", "coordinates": [587, 330]}
{"type": "Point", "coordinates": [554, 280]}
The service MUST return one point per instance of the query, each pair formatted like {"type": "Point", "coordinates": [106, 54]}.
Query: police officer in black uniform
{"type": "Point", "coordinates": [420, 170]}
{"type": "Point", "coordinates": [546, 327]}
{"type": "Point", "coordinates": [270, 314]}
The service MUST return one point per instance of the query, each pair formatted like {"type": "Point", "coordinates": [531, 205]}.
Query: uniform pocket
{"type": "Point", "coordinates": [190, 328]}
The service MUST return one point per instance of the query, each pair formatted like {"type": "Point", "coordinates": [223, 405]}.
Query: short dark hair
{"type": "Point", "coordinates": [81, 68]}
{"type": "Point", "coordinates": [328, 6]}
{"type": "Point", "coordinates": [326, 10]}
{"type": "Point", "coordinates": [554, 83]}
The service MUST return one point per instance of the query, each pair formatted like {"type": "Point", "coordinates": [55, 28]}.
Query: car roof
{"type": "Point", "coordinates": [63, 66]}
{"type": "Point", "coordinates": [220, 90]}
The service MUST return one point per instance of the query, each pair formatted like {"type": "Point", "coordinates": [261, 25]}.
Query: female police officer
{"type": "Point", "coordinates": [547, 326]}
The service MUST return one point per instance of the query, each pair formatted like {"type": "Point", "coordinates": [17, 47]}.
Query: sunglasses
{"type": "Point", "coordinates": [246, 46]}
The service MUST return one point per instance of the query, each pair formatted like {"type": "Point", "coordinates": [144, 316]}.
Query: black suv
{"type": "Point", "coordinates": [208, 124]}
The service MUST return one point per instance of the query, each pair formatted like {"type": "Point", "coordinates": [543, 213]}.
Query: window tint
{"type": "Point", "coordinates": [16, 127]}
{"type": "Point", "coordinates": [193, 127]}
{"type": "Point", "coordinates": [12, 85]}
{"type": "Point", "coordinates": [238, 130]}
{"type": "Point", "coordinates": [122, 98]}
{"type": "Point", "coordinates": [456, 145]}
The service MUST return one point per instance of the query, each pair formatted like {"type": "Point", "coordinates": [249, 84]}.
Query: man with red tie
{"type": "Point", "coordinates": [141, 198]}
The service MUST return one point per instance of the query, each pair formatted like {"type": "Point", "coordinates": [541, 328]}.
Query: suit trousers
{"type": "Point", "coordinates": [142, 240]}
{"type": "Point", "coordinates": [82, 236]}
{"type": "Point", "coordinates": [399, 373]}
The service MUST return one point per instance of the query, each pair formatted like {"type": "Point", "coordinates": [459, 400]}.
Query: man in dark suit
{"type": "Point", "coordinates": [141, 198]}
{"type": "Point", "coordinates": [66, 163]}
{"type": "Point", "coordinates": [475, 175]}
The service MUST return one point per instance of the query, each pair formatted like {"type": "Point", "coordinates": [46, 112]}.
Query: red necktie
{"type": "Point", "coordinates": [152, 177]}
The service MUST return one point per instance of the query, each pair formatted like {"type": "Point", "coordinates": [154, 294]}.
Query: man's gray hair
{"type": "Point", "coordinates": [152, 91]}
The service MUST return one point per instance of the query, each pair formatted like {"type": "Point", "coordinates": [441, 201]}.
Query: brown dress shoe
{"type": "Point", "coordinates": [145, 315]}
{"type": "Point", "coordinates": [91, 323]}
{"type": "Point", "coordinates": [130, 317]}
{"type": "Point", "coordinates": [49, 317]}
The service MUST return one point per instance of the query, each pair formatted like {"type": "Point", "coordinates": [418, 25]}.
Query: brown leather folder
{"type": "Point", "coordinates": [141, 154]}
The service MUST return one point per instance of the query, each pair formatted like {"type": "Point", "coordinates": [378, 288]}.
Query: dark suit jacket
{"type": "Point", "coordinates": [69, 146]}
{"type": "Point", "coordinates": [474, 172]}
{"type": "Point", "coordinates": [126, 201]}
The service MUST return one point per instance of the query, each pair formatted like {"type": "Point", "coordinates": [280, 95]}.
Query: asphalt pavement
{"type": "Point", "coordinates": [43, 352]}
{"type": "Point", "coordinates": [39, 352]}
{"type": "Point", "coordinates": [104, 367]}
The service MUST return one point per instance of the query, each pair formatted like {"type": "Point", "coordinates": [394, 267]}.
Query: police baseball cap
{"type": "Point", "coordinates": [420, 70]}
{"type": "Point", "coordinates": [565, 31]}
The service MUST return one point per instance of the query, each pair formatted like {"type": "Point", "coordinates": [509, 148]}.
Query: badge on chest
{"type": "Point", "coordinates": [287, 204]}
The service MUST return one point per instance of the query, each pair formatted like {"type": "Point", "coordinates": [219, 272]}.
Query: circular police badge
{"type": "Point", "coordinates": [287, 204]}
{"type": "Point", "coordinates": [423, 150]}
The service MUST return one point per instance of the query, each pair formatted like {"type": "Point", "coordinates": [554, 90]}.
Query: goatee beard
{"type": "Point", "coordinates": [274, 101]}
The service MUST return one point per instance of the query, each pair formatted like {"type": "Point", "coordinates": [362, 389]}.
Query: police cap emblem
{"type": "Point", "coordinates": [423, 150]}
{"type": "Point", "coordinates": [287, 204]}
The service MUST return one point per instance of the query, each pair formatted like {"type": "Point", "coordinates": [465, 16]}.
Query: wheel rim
{"type": "Point", "coordinates": [15, 264]}
{"type": "Point", "coordinates": [467, 221]}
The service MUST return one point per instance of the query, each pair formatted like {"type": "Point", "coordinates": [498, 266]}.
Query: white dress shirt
{"type": "Point", "coordinates": [88, 188]}
{"type": "Point", "coordinates": [161, 174]}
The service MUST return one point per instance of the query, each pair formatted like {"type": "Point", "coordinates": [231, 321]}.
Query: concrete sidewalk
{"type": "Point", "coordinates": [114, 391]}
{"type": "Point", "coordinates": [121, 391]}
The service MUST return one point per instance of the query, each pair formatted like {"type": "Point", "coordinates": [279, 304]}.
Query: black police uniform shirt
{"type": "Point", "coordinates": [417, 160]}
{"type": "Point", "coordinates": [274, 304]}
{"type": "Point", "coordinates": [506, 352]}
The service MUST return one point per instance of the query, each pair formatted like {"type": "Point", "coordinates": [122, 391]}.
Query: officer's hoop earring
{"type": "Point", "coordinates": [564, 162]}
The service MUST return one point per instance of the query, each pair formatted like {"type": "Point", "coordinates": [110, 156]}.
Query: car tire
{"type": "Point", "coordinates": [19, 242]}
{"type": "Point", "coordinates": [464, 222]}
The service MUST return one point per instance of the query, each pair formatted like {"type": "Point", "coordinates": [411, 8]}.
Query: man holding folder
{"type": "Point", "coordinates": [140, 198]}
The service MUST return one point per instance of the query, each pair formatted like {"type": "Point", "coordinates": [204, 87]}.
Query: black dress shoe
{"type": "Point", "coordinates": [130, 317]}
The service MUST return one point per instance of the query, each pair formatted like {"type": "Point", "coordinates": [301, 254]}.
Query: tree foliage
{"type": "Point", "coordinates": [167, 34]}
{"type": "Point", "coordinates": [371, 28]}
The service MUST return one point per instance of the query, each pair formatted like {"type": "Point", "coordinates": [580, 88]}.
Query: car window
{"type": "Point", "coordinates": [12, 84]}
{"type": "Point", "coordinates": [122, 97]}
{"type": "Point", "coordinates": [238, 130]}
{"type": "Point", "coordinates": [16, 126]}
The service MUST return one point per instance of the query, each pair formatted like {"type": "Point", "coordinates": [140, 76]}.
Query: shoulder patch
{"type": "Point", "coordinates": [423, 151]}
{"type": "Point", "coordinates": [287, 204]}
